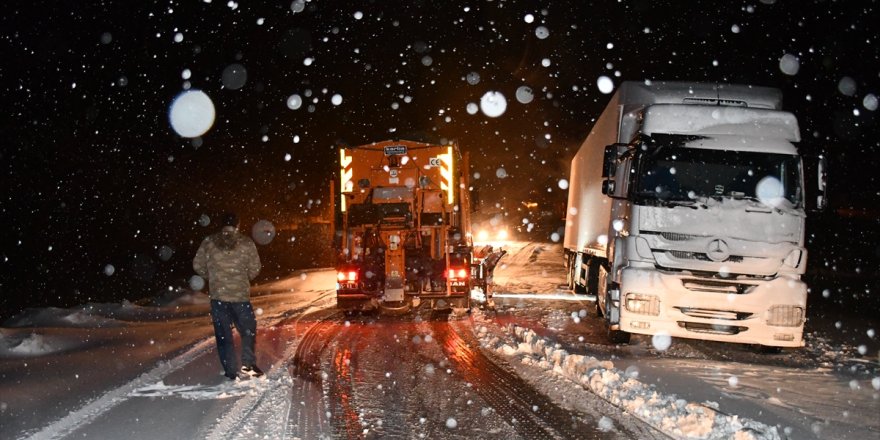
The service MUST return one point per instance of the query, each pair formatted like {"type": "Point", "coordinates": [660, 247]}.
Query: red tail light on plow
{"type": "Point", "coordinates": [347, 276]}
{"type": "Point", "coordinates": [458, 274]}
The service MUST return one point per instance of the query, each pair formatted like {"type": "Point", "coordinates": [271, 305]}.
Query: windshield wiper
{"type": "Point", "coordinates": [695, 204]}
{"type": "Point", "coordinates": [660, 200]}
{"type": "Point", "coordinates": [757, 205]}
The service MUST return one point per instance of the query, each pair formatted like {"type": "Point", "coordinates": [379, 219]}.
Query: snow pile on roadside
{"type": "Point", "coordinates": [675, 417]}
{"type": "Point", "coordinates": [80, 316]}
{"type": "Point", "coordinates": [25, 345]}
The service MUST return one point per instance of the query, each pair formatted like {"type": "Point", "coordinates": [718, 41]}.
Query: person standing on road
{"type": "Point", "coordinates": [229, 261]}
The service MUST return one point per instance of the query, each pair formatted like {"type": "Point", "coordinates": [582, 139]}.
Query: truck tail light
{"type": "Point", "coordinates": [458, 273]}
{"type": "Point", "coordinates": [347, 276]}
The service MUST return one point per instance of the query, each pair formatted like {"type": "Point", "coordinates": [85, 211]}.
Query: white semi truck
{"type": "Point", "coordinates": [686, 215]}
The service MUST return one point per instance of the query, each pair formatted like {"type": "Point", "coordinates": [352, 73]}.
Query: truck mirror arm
{"type": "Point", "coordinates": [608, 187]}
{"type": "Point", "coordinates": [613, 153]}
{"type": "Point", "coordinates": [819, 164]}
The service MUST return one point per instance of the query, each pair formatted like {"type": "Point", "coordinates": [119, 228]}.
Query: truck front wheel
{"type": "Point", "coordinates": [569, 274]}
{"type": "Point", "coordinates": [593, 276]}
{"type": "Point", "coordinates": [618, 337]}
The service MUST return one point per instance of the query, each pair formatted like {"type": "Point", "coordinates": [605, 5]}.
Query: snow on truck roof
{"type": "Point", "coordinates": [710, 110]}
{"type": "Point", "coordinates": [721, 121]}
{"type": "Point", "coordinates": [678, 92]}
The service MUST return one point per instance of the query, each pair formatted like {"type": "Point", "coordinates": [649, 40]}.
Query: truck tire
{"type": "Point", "coordinates": [769, 350]}
{"type": "Point", "coordinates": [618, 337]}
{"type": "Point", "coordinates": [599, 312]}
{"type": "Point", "coordinates": [593, 276]}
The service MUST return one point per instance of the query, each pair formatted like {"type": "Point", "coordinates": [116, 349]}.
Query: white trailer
{"type": "Point", "coordinates": [686, 215]}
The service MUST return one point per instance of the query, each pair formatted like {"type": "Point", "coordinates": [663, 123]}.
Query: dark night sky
{"type": "Point", "coordinates": [93, 174]}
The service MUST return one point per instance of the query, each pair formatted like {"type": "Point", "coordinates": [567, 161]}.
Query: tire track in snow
{"type": "Point", "coordinates": [259, 414]}
{"type": "Point", "coordinates": [307, 420]}
{"type": "Point", "coordinates": [534, 414]}
{"type": "Point", "coordinates": [370, 391]}
{"type": "Point", "coordinates": [341, 391]}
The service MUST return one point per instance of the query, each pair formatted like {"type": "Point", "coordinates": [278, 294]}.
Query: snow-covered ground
{"type": "Point", "coordinates": [149, 369]}
{"type": "Point", "coordinates": [63, 369]}
{"type": "Point", "coordinates": [828, 389]}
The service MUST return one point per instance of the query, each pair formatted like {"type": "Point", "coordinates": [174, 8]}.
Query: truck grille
{"type": "Point", "coordinates": [700, 285]}
{"type": "Point", "coordinates": [698, 327]}
{"type": "Point", "coordinates": [716, 101]}
{"type": "Point", "coordinates": [700, 256]}
{"type": "Point", "coordinates": [674, 236]}
{"type": "Point", "coordinates": [714, 314]}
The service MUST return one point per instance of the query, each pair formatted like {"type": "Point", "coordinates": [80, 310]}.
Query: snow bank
{"type": "Point", "coordinates": [28, 345]}
{"type": "Point", "coordinates": [108, 315]}
{"type": "Point", "coordinates": [82, 317]}
{"type": "Point", "coordinates": [673, 416]}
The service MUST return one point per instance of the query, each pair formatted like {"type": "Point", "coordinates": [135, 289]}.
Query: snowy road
{"type": "Point", "coordinates": [537, 366]}
{"type": "Point", "coordinates": [405, 377]}
{"type": "Point", "coordinates": [409, 377]}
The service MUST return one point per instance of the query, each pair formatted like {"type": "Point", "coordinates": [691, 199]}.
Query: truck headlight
{"type": "Point", "coordinates": [785, 316]}
{"type": "Point", "coordinates": [642, 304]}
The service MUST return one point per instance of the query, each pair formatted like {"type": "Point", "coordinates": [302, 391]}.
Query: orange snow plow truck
{"type": "Point", "coordinates": [402, 227]}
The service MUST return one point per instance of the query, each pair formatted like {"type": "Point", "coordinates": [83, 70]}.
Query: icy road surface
{"type": "Point", "coordinates": [537, 366]}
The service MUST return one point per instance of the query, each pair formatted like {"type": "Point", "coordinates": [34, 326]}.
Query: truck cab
{"type": "Point", "coordinates": [697, 216]}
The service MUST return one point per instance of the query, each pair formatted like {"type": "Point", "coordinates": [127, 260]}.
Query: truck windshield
{"type": "Point", "coordinates": [392, 194]}
{"type": "Point", "coordinates": [669, 174]}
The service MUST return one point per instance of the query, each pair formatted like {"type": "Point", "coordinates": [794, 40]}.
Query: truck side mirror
{"type": "Point", "coordinates": [607, 161]}
{"type": "Point", "coordinates": [815, 167]}
{"type": "Point", "coordinates": [612, 155]}
{"type": "Point", "coordinates": [821, 183]}
{"type": "Point", "coordinates": [610, 161]}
